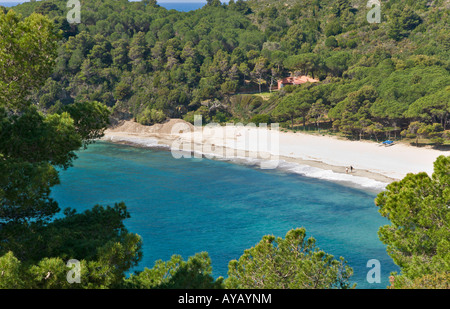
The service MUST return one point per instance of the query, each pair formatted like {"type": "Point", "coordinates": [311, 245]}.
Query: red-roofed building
{"type": "Point", "coordinates": [296, 80]}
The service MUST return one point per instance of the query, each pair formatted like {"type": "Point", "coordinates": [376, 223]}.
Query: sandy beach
{"type": "Point", "coordinates": [325, 157]}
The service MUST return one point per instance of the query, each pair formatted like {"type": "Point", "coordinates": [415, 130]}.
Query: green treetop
{"type": "Point", "coordinates": [418, 207]}
{"type": "Point", "coordinates": [290, 263]}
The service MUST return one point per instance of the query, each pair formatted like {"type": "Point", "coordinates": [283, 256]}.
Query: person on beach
{"type": "Point", "coordinates": [346, 170]}
{"type": "Point", "coordinates": [351, 169]}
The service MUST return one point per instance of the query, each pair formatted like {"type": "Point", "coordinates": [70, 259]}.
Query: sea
{"type": "Point", "coordinates": [9, 4]}
{"type": "Point", "coordinates": [190, 205]}
{"type": "Point", "coordinates": [179, 6]}
{"type": "Point", "coordinates": [182, 6]}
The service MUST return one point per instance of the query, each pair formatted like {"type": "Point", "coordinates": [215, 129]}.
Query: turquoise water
{"type": "Point", "coordinates": [187, 206]}
{"type": "Point", "coordinates": [9, 4]}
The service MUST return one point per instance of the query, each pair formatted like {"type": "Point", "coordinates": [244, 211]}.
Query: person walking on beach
{"type": "Point", "coordinates": [351, 169]}
{"type": "Point", "coordinates": [346, 170]}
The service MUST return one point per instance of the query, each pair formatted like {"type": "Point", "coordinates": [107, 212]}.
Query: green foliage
{"type": "Point", "coordinates": [353, 112]}
{"type": "Point", "coordinates": [290, 263]}
{"type": "Point", "coordinates": [33, 143]}
{"type": "Point", "coordinates": [97, 238]}
{"type": "Point", "coordinates": [25, 191]}
{"type": "Point", "coordinates": [30, 145]}
{"type": "Point", "coordinates": [318, 112]}
{"type": "Point", "coordinates": [72, 236]}
{"type": "Point", "coordinates": [27, 51]}
{"type": "Point", "coordinates": [435, 281]}
{"type": "Point", "coordinates": [150, 116]}
{"type": "Point", "coordinates": [413, 131]}
{"type": "Point", "coordinates": [138, 59]}
{"type": "Point", "coordinates": [434, 107]}
{"type": "Point", "coordinates": [90, 119]}
{"type": "Point", "coordinates": [434, 132]}
{"type": "Point", "coordinates": [52, 273]}
{"type": "Point", "coordinates": [49, 273]}
{"type": "Point", "coordinates": [333, 28]}
{"type": "Point", "coordinates": [294, 105]}
{"type": "Point", "coordinates": [331, 42]}
{"type": "Point", "coordinates": [418, 209]}
{"type": "Point", "coordinates": [402, 22]}
{"type": "Point", "coordinates": [244, 106]}
{"type": "Point", "coordinates": [304, 63]}
{"type": "Point", "coordinates": [338, 62]}
{"type": "Point", "coordinates": [195, 273]}
{"type": "Point", "coordinates": [213, 3]}
{"type": "Point", "coordinates": [258, 119]}
{"type": "Point", "coordinates": [35, 137]}
{"type": "Point", "coordinates": [11, 272]}
{"type": "Point", "coordinates": [340, 7]}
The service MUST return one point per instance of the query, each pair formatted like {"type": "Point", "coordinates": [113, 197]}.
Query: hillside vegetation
{"type": "Point", "coordinates": [380, 80]}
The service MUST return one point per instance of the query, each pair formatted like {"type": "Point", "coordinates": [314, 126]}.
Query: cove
{"type": "Point", "coordinates": [186, 206]}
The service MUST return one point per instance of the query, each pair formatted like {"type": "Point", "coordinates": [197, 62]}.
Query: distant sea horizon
{"type": "Point", "coordinates": [183, 6]}
{"type": "Point", "coordinates": [179, 6]}
{"type": "Point", "coordinates": [9, 4]}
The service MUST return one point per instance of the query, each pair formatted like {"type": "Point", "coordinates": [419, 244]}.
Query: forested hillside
{"type": "Point", "coordinates": [377, 81]}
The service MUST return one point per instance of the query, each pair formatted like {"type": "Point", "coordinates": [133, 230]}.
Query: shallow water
{"type": "Point", "coordinates": [187, 206]}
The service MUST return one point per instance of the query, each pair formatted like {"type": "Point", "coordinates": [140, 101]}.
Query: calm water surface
{"type": "Point", "coordinates": [188, 206]}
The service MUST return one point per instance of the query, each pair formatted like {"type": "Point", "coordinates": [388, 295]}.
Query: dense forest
{"type": "Point", "coordinates": [377, 80]}
{"type": "Point", "coordinates": [61, 85]}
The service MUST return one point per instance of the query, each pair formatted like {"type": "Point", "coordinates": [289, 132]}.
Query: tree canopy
{"type": "Point", "coordinates": [290, 263]}
{"type": "Point", "coordinates": [150, 64]}
{"type": "Point", "coordinates": [418, 209]}
{"type": "Point", "coordinates": [34, 144]}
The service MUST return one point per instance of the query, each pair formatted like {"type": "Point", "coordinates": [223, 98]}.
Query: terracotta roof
{"type": "Point", "coordinates": [298, 80]}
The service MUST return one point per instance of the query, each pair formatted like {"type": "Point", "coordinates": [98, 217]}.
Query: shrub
{"type": "Point", "coordinates": [151, 116]}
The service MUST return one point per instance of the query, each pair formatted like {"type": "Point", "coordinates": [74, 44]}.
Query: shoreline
{"type": "Point", "coordinates": [165, 143]}
{"type": "Point", "coordinates": [321, 157]}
